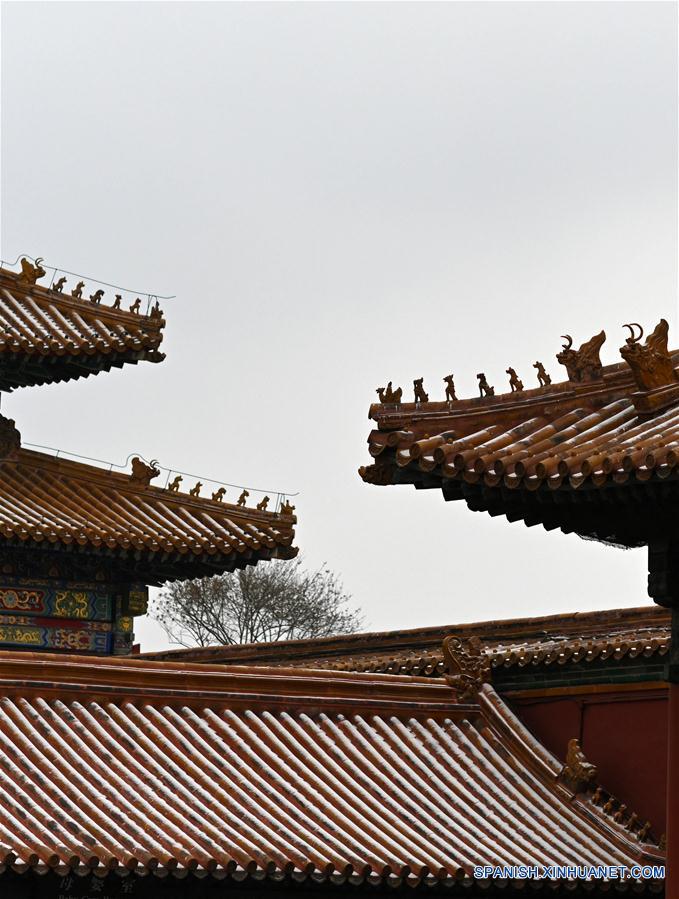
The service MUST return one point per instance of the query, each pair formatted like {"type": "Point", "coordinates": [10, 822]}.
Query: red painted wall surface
{"type": "Point", "coordinates": [623, 734]}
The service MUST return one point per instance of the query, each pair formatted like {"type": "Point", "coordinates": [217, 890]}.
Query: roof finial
{"type": "Point", "coordinates": [651, 363]}
{"type": "Point", "coordinates": [468, 666]}
{"type": "Point", "coordinates": [578, 774]}
{"type": "Point", "coordinates": [29, 272]}
{"type": "Point", "coordinates": [142, 473]}
{"type": "Point", "coordinates": [388, 395]}
{"type": "Point", "coordinates": [583, 364]}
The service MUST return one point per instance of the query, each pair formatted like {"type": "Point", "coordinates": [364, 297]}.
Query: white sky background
{"type": "Point", "coordinates": [339, 195]}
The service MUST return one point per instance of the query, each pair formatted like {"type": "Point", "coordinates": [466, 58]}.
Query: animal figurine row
{"type": "Point", "coordinates": [98, 295]}
{"type": "Point", "coordinates": [219, 494]}
{"type": "Point", "coordinates": [651, 365]}
{"type": "Point", "coordinates": [30, 273]}
{"type": "Point", "coordinates": [389, 395]}
{"type": "Point", "coordinates": [631, 822]}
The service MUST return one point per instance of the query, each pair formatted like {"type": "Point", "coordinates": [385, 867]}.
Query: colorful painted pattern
{"type": "Point", "coordinates": [74, 636]}
{"type": "Point", "coordinates": [57, 599]}
{"type": "Point", "coordinates": [138, 599]}
{"type": "Point", "coordinates": [46, 613]}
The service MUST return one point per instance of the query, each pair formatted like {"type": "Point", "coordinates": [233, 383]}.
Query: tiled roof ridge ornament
{"type": "Point", "coordinates": [652, 368]}
{"type": "Point", "coordinates": [10, 438]}
{"type": "Point", "coordinates": [468, 666]}
{"type": "Point", "coordinates": [583, 364]}
{"type": "Point", "coordinates": [607, 804]}
{"type": "Point", "coordinates": [156, 311]}
{"type": "Point", "coordinates": [389, 395]}
{"type": "Point", "coordinates": [242, 499]}
{"type": "Point", "coordinates": [515, 382]}
{"type": "Point", "coordinates": [143, 474]}
{"type": "Point", "coordinates": [451, 396]}
{"type": "Point", "coordinates": [30, 273]}
{"type": "Point", "coordinates": [578, 774]}
{"type": "Point", "coordinates": [485, 388]}
{"type": "Point", "coordinates": [287, 509]}
{"type": "Point", "coordinates": [543, 378]}
{"type": "Point", "coordinates": [421, 396]}
{"type": "Point", "coordinates": [650, 362]}
{"type": "Point", "coordinates": [218, 495]}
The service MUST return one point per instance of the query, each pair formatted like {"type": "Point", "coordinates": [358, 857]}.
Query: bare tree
{"type": "Point", "coordinates": [272, 601]}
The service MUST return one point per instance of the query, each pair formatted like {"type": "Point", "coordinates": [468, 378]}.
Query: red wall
{"type": "Point", "coordinates": [623, 734]}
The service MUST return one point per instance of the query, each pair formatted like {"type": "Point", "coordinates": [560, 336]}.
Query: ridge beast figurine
{"type": "Point", "coordinates": [583, 364]}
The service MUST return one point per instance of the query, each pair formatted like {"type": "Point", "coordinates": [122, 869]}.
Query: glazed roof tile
{"type": "Point", "coordinates": [46, 336]}
{"type": "Point", "coordinates": [578, 434]}
{"type": "Point", "coordinates": [552, 640]}
{"type": "Point", "coordinates": [47, 501]}
{"type": "Point", "coordinates": [162, 768]}
{"type": "Point", "coordinates": [512, 454]}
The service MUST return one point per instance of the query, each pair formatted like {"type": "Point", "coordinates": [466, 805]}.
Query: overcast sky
{"type": "Point", "coordinates": [341, 195]}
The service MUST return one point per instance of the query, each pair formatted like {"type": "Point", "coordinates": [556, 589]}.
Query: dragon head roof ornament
{"type": "Point", "coordinates": [583, 364]}
{"type": "Point", "coordinates": [650, 362]}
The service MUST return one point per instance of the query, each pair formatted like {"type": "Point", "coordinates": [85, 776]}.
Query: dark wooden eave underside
{"type": "Point", "coordinates": [152, 568]}
{"type": "Point", "coordinates": [596, 458]}
{"type": "Point", "coordinates": [48, 336]}
{"type": "Point", "coordinates": [20, 370]}
{"type": "Point", "coordinates": [630, 514]}
{"type": "Point", "coordinates": [62, 508]}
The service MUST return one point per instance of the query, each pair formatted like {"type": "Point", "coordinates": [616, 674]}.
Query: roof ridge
{"type": "Point", "coordinates": [58, 675]}
{"type": "Point", "coordinates": [87, 309]}
{"type": "Point", "coordinates": [398, 639]}
{"type": "Point", "coordinates": [80, 470]}
{"type": "Point", "coordinates": [617, 377]}
{"type": "Point", "coordinates": [518, 739]}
